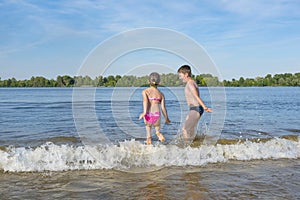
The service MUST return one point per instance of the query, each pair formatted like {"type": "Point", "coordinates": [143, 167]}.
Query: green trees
{"type": "Point", "coordinates": [170, 80]}
{"type": "Point", "coordinates": [33, 82]}
{"type": "Point", "coordinates": [64, 81]}
{"type": "Point", "coordinates": [286, 79]}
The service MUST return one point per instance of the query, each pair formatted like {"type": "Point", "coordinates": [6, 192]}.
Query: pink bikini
{"type": "Point", "coordinates": [155, 99]}
{"type": "Point", "coordinates": [152, 117]}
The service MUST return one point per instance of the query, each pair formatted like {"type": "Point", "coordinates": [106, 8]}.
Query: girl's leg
{"type": "Point", "coordinates": [148, 130]}
{"type": "Point", "coordinates": [159, 135]}
{"type": "Point", "coordinates": [190, 124]}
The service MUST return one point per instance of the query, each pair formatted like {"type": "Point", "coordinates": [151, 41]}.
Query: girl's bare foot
{"type": "Point", "coordinates": [148, 141]}
{"type": "Point", "coordinates": [160, 137]}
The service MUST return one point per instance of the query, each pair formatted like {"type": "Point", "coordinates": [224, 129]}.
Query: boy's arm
{"type": "Point", "coordinates": [195, 93]}
{"type": "Point", "coordinates": [164, 110]}
{"type": "Point", "coordinates": [145, 105]}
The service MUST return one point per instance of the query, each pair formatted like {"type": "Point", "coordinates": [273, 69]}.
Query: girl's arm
{"type": "Point", "coordinates": [164, 110]}
{"type": "Point", "coordinates": [145, 104]}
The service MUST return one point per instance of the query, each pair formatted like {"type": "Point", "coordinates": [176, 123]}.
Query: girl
{"type": "Point", "coordinates": [153, 100]}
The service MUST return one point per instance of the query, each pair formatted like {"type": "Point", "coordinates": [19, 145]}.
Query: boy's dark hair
{"type": "Point", "coordinates": [185, 69]}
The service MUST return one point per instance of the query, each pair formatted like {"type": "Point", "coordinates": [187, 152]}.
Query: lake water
{"type": "Point", "coordinates": [88, 143]}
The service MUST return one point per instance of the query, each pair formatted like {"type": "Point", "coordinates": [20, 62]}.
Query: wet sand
{"type": "Point", "coordinates": [257, 179]}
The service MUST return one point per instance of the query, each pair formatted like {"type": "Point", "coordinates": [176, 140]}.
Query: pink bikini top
{"type": "Point", "coordinates": [155, 99]}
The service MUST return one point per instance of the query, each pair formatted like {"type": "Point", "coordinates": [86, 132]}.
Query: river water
{"type": "Point", "coordinates": [64, 144]}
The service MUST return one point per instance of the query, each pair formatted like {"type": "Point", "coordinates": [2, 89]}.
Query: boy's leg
{"type": "Point", "coordinates": [190, 124]}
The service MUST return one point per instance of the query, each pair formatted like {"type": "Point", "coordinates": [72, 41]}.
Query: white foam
{"type": "Point", "coordinates": [133, 154]}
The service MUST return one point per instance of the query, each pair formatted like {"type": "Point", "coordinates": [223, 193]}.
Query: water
{"type": "Point", "coordinates": [46, 145]}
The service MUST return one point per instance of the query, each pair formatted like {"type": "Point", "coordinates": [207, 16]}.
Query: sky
{"type": "Point", "coordinates": [244, 38]}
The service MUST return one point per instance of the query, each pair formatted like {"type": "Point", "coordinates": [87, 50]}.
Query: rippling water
{"type": "Point", "coordinates": [42, 146]}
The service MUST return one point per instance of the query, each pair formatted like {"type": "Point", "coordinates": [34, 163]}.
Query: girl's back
{"type": "Point", "coordinates": [154, 97]}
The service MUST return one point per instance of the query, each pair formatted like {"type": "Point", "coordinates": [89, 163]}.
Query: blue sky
{"type": "Point", "coordinates": [246, 38]}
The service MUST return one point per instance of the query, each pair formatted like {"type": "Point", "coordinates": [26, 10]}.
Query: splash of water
{"type": "Point", "coordinates": [133, 154]}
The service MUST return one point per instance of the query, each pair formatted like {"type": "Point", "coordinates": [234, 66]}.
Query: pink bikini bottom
{"type": "Point", "coordinates": [151, 118]}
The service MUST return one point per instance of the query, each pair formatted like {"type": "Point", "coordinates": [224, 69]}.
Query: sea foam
{"type": "Point", "coordinates": [132, 154]}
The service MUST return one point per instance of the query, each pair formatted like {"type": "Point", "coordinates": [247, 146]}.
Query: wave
{"type": "Point", "coordinates": [133, 154]}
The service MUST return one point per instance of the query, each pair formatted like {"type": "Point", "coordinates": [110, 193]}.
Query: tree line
{"type": "Point", "coordinates": [286, 79]}
{"type": "Point", "coordinates": [170, 80]}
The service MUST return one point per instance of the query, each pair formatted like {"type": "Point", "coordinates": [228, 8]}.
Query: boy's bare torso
{"type": "Point", "coordinates": [190, 98]}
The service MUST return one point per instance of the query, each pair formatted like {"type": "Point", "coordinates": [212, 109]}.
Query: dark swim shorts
{"type": "Point", "coordinates": [198, 109]}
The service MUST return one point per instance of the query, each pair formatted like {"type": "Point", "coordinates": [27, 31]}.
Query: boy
{"type": "Point", "coordinates": [197, 107]}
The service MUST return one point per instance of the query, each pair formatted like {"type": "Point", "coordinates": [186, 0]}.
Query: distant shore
{"type": "Point", "coordinates": [169, 80]}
